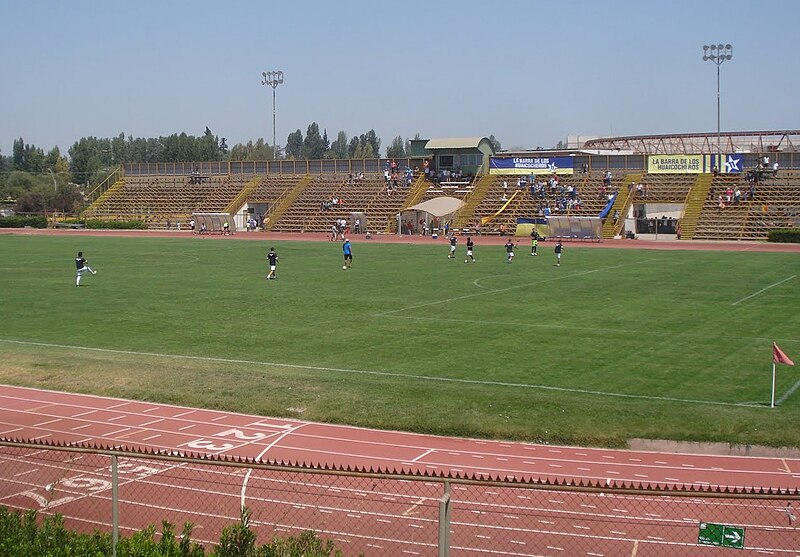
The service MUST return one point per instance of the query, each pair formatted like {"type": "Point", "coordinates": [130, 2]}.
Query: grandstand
{"type": "Point", "coordinates": [295, 197]}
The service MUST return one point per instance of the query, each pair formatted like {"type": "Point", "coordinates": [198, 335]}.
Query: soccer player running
{"type": "Point", "coordinates": [83, 267]}
{"type": "Point", "coordinates": [509, 250]}
{"type": "Point", "coordinates": [534, 241]}
{"type": "Point", "coordinates": [559, 248]}
{"type": "Point", "coordinates": [272, 257]}
{"type": "Point", "coordinates": [470, 245]}
{"type": "Point", "coordinates": [453, 242]}
{"type": "Point", "coordinates": [347, 250]}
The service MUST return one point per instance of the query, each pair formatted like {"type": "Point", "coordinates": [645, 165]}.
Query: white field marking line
{"type": "Point", "coordinates": [763, 290]}
{"type": "Point", "coordinates": [260, 455]}
{"type": "Point", "coordinates": [388, 374]}
{"type": "Point", "coordinates": [508, 288]}
{"type": "Point", "coordinates": [789, 393]}
{"type": "Point", "coordinates": [477, 281]}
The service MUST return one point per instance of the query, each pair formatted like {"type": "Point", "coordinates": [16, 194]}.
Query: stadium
{"type": "Point", "coordinates": [198, 389]}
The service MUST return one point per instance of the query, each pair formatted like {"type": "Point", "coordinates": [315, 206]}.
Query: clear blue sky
{"type": "Point", "coordinates": [529, 72]}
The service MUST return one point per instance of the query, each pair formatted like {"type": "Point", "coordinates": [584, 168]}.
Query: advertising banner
{"type": "Point", "coordinates": [694, 164]}
{"type": "Point", "coordinates": [530, 165]}
{"type": "Point", "coordinates": [679, 164]}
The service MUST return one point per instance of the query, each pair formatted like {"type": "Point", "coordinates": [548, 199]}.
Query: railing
{"type": "Point", "coordinates": [378, 512]}
{"type": "Point", "coordinates": [100, 189]}
{"type": "Point", "coordinates": [623, 163]}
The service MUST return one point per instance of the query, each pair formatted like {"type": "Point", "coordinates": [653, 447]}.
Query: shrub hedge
{"type": "Point", "coordinates": [18, 221]}
{"type": "Point", "coordinates": [784, 235]}
{"type": "Point", "coordinates": [22, 535]}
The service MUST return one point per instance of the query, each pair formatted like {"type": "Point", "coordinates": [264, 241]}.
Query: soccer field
{"type": "Point", "coordinates": [611, 345]}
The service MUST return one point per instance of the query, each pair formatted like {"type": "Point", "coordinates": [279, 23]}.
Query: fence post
{"type": "Point", "coordinates": [444, 522]}
{"type": "Point", "coordinates": [114, 505]}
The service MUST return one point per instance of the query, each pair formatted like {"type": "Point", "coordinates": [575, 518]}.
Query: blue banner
{"type": "Point", "coordinates": [530, 165]}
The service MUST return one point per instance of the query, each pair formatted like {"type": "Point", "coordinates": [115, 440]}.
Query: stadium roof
{"type": "Point", "coordinates": [455, 143]}
{"type": "Point", "coordinates": [438, 206]}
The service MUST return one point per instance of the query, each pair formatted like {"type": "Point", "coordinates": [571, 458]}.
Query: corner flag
{"type": "Point", "coordinates": [779, 357]}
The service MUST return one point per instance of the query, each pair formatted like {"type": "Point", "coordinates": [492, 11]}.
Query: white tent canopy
{"type": "Point", "coordinates": [438, 206]}
{"type": "Point", "coordinates": [440, 209]}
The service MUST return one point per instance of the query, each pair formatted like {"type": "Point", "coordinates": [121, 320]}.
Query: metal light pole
{"type": "Point", "coordinates": [55, 184]}
{"type": "Point", "coordinates": [273, 79]}
{"type": "Point", "coordinates": [718, 53]}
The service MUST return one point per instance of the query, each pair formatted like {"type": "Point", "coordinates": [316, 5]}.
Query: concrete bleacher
{"type": "Point", "coordinates": [775, 204]}
{"type": "Point", "coordinates": [589, 185]}
{"type": "Point", "coordinates": [369, 196]}
{"type": "Point", "coordinates": [157, 200]}
{"type": "Point", "coordinates": [664, 188]}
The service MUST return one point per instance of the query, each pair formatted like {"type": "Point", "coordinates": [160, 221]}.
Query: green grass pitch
{"type": "Point", "coordinates": [614, 344]}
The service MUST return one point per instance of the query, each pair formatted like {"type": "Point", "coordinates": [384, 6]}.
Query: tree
{"type": "Point", "coordinates": [375, 142]}
{"type": "Point", "coordinates": [27, 158]}
{"type": "Point", "coordinates": [352, 147]}
{"type": "Point", "coordinates": [207, 147]}
{"type": "Point", "coordinates": [85, 159]}
{"type": "Point", "coordinates": [397, 149]}
{"type": "Point", "coordinates": [294, 145]}
{"type": "Point", "coordinates": [313, 145]}
{"type": "Point", "coordinates": [339, 146]}
{"type": "Point", "coordinates": [495, 143]}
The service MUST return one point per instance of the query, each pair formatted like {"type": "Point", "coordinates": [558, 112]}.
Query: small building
{"type": "Point", "coordinates": [470, 155]}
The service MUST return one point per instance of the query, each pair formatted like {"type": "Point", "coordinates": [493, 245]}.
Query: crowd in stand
{"type": "Point", "coordinates": [356, 178]}
{"type": "Point", "coordinates": [331, 203]}
{"type": "Point", "coordinates": [394, 177]}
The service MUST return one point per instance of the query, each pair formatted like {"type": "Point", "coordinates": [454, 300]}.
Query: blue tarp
{"type": "Point", "coordinates": [604, 213]}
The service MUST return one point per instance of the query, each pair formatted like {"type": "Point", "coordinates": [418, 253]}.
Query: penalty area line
{"type": "Point", "coordinates": [737, 302]}
{"type": "Point", "coordinates": [390, 374]}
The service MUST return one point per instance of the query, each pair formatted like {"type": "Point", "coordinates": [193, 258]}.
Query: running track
{"type": "Point", "coordinates": [544, 523]}
{"type": "Point", "coordinates": [496, 521]}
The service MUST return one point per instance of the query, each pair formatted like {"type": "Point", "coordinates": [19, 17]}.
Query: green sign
{"type": "Point", "coordinates": [721, 535]}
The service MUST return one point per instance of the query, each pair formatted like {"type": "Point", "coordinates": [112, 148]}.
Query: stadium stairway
{"type": "Point", "coordinates": [622, 204]}
{"type": "Point", "coordinates": [240, 199]}
{"type": "Point", "coordinates": [467, 212]}
{"type": "Point", "coordinates": [416, 192]}
{"type": "Point", "coordinates": [92, 209]}
{"type": "Point", "coordinates": [693, 206]}
{"type": "Point", "coordinates": [287, 200]}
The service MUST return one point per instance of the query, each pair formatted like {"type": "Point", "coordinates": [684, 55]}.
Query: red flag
{"type": "Point", "coordinates": [779, 357]}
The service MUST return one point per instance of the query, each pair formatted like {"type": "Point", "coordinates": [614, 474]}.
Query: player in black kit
{"type": "Point", "coordinates": [470, 246]}
{"type": "Point", "coordinates": [272, 257]}
{"type": "Point", "coordinates": [82, 267]}
{"type": "Point", "coordinates": [453, 242]}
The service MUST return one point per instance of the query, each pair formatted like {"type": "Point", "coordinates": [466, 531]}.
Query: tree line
{"type": "Point", "coordinates": [36, 180]}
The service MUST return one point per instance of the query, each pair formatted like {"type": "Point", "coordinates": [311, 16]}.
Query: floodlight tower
{"type": "Point", "coordinates": [718, 53]}
{"type": "Point", "coordinates": [273, 79]}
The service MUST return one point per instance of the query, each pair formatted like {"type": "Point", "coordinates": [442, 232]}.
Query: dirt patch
{"type": "Point", "coordinates": [728, 449]}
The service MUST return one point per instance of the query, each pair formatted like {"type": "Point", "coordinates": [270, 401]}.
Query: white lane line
{"type": "Point", "coordinates": [423, 455]}
{"type": "Point", "coordinates": [763, 290]}
{"type": "Point", "coordinates": [259, 457]}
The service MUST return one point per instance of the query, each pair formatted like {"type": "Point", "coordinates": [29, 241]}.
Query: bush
{"type": "Point", "coordinates": [22, 536]}
{"type": "Point", "coordinates": [108, 224]}
{"type": "Point", "coordinates": [23, 221]}
{"type": "Point", "coordinates": [784, 235]}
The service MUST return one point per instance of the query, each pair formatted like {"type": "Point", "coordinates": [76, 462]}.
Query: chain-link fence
{"type": "Point", "coordinates": [388, 514]}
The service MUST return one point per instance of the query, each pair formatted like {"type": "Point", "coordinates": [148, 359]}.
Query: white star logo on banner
{"type": "Point", "coordinates": [732, 164]}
